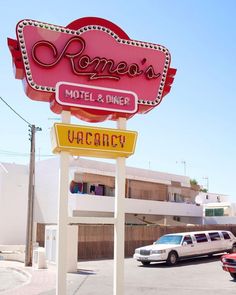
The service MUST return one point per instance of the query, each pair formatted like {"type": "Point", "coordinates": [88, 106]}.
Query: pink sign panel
{"type": "Point", "coordinates": [93, 52]}
{"type": "Point", "coordinates": [78, 95]}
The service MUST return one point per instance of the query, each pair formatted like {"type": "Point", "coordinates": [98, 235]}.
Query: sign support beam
{"type": "Point", "coordinates": [119, 226]}
{"type": "Point", "coordinates": [62, 217]}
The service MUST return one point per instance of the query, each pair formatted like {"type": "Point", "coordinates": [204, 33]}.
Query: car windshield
{"type": "Point", "coordinates": [169, 239]}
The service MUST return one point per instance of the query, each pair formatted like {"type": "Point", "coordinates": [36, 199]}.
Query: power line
{"type": "Point", "coordinates": [30, 211]}
{"type": "Point", "coordinates": [15, 112]}
{"type": "Point", "coordinates": [18, 154]}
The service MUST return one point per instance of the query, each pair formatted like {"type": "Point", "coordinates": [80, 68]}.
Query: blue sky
{"type": "Point", "coordinates": [196, 121]}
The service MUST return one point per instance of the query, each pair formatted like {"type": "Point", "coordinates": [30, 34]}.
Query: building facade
{"type": "Point", "coordinates": [151, 197]}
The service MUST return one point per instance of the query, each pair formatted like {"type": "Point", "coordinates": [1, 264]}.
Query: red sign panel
{"type": "Point", "coordinates": [95, 56]}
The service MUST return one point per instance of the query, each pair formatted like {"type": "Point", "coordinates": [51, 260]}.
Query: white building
{"type": "Point", "coordinates": [217, 209]}
{"type": "Point", "coordinates": [101, 173]}
{"type": "Point", "coordinates": [151, 197]}
{"type": "Point", "coordinates": [13, 203]}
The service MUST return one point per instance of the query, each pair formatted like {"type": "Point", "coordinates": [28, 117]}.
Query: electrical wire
{"type": "Point", "coordinates": [15, 154]}
{"type": "Point", "coordinates": [15, 112]}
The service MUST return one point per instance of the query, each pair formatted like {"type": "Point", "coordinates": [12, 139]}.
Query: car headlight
{"type": "Point", "coordinates": [223, 259]}
{"type": "Point", "coordinates": [158, 251]}
{"type": "Point", "coordinates": [137, 251]}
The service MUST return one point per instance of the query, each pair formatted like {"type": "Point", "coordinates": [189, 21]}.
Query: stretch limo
{"type": "Point", "coordinates": [173, 247]}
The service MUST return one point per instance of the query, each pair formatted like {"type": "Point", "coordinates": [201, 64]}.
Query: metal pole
{"type": "Point", "coordinates": [119, 226]}
{"type": "Point", "coordinates": [30, 213]}
{"type": "Point", "coordinates": [62, 217]}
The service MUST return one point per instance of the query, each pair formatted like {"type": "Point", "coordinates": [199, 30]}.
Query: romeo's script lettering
{"type": "Point", "coordinates": [84, 65]}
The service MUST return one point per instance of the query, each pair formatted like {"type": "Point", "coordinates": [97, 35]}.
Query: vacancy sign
{"type": "Point", "coordinates": [92, 141]}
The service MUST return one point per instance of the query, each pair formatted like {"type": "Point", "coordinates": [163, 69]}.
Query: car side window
{"type": "Point", "coordinates": [214, 236]}
{"type": "Point", "coordinates": [188, 240]}
{"type": "Point", "coordinates": [226, 235]}
{"type": "Point", "coordinates": [201, 238]}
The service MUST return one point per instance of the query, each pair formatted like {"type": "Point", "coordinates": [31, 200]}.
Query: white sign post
{"type": "Point", "coordinates": [62, 219]}
{"type": "Point", "coordinates": [119, 219]}
{"type": "Point", "coordinates": [119, 225]}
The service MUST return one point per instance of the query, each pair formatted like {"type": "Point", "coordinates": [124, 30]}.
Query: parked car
{"type": "Point", "coordinates": [229, 264]}
{"type": "Point", "coordinates": [173, 247]}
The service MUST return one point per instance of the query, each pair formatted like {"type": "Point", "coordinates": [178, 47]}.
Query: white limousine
{"type": "Point", "coordinates": [173, 247]}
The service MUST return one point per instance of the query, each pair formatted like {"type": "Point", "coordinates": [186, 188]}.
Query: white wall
{"type": "Point", "coordinates": [46, 190]}
{"type": "Point", "coordinates": [106, 204]}
{"type": "Point", "coordinates": [13, 203]}
{"type": "Point", "coordinates": [205, 198]}
{"type": "Point", "coordinates": [219, 220]}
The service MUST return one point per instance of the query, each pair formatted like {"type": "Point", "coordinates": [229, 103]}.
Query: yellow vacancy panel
{"type": "Point", "coordinates": [93, 141]}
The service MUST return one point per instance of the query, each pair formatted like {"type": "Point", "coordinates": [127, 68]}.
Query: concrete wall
{"type": "Point", "coordinates": [13, 203]}
{"type": "Point", "coordinates": [219, 220]}
{"type": "Point", "coordinates": [106, 204]}
{"type": "Point", "coordinates": [205, 198]}
{"type": "Point", "coordinates": [46, 190]}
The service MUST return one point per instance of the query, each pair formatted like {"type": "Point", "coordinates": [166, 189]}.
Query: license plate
{"type": "Point", "coordinates": [143, 258]}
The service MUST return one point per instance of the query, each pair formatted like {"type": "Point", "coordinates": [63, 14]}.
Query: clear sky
{"type": "Point", "coordinates": [195, 123]}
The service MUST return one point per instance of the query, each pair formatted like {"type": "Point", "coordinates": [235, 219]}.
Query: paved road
{"type": "Point", "coordinates": [202, 276]}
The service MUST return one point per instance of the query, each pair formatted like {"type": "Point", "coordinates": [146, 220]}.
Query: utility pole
{"type": "Point", "coordinates": [30, 212]}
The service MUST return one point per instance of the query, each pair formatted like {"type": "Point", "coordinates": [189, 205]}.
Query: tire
{"type": "Point", "coordinates": [233, 250]}
{"type": "Point", "coordinates": [145, 262]}
{"type": "Point", "coordinates": [172, 258]}
{"type": "Point", "coordinates": [233, 275]}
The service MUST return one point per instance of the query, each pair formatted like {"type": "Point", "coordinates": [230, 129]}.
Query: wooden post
{"type": "Point", "coordinates": [30, 212]}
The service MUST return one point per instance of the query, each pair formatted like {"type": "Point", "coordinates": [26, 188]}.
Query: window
{"type": "Point", "coordinates": [188, 240]}
{"type": "Point", "coordinates": [209, 212]}
{"type": "Point", "coordinates": [214, 212]}
{"type": "Point", "coordinates": [169, 239]}
{"type": "Point", "coordinates": [214, 236]}
{"type": "Point", "coordinates": [176, 218]}
{"type": "Point", "coordinates": [200, 238]}
{"type": "Point", "coordinates": [219, 212]}
{"type": "Point", "coordinates": [226, 235]}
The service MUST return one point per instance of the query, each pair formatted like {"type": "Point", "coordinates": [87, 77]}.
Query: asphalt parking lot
{"type": "Point", "coordinates": [201, 276]}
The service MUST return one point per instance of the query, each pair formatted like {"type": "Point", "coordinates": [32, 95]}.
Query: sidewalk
{"type": "Point", "coordinates": [43, 281]}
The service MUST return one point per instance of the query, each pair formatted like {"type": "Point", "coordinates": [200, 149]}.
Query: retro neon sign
{"type": "Point", "coordinates": [95, 54]}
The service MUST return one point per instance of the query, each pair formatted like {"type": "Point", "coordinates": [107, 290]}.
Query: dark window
{"type": "Point", "coordinates": [225, 235]}
{"type": "Point", "coordinates": [209, 212]}
{"type": "Point", "coordinates": [176, 218]}
{"type": "Point", "coordinates": [219, 212]}
{"type": "Point", "coordinates": [188, 240]}
{"type": "Point", "coordinates": [214, 212]}
{"type": "Point", "coordinates": [200, 238]}
{"type": "Point", "coordinates": [214, 236]}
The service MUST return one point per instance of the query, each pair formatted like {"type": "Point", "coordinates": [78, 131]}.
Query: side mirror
{"type": "Point", "coordinates": [185, 243]}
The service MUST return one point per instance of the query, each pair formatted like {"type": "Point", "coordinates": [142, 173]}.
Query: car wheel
{"type": "Point", "coordinates": [145, 262]}
{"type": "Point", "coordinates": [233, 275]}
{"type": "Point", "coordinates": [172, 258]}
{"type": "Point", "coordinates": [233, 250]}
